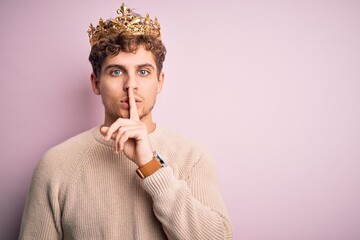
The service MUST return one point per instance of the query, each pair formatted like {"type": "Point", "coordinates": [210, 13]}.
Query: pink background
{"type": "Point", "coordinates": [271, 87]}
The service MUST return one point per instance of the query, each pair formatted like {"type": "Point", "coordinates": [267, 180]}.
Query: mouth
{"type": "Point", "coordinates": [124, 103]}
{"type": "Point", "coordinates": [126, 100]}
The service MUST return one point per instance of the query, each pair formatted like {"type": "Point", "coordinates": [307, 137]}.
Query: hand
{"type": "Point", "coordinates": [130, 135]}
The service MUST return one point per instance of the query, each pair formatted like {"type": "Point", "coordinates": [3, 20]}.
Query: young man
{"type": "Point", "coordinates": [87, 187]}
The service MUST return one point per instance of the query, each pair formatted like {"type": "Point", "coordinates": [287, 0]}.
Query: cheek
{"type": "Point", "coordinates": [154, 86]}
{"type": "Point", "coordinates": [112, 88]}
{"type": "Point", "coordinates": [153, 90]}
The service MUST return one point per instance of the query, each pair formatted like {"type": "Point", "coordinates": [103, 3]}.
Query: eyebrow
{"type": "Point", "coordinates": [114, 66]}
{"type": "Point", "coordinates": [146, 65]}
{"type": "Point", "coordinates": [122, 67]}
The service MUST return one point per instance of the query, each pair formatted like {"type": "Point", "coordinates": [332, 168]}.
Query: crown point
{"type": "Point", "coordinates": [128, 23]}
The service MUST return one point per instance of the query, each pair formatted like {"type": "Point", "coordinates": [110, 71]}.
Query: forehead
{"type": "Point", "coordinates": [131, 59]}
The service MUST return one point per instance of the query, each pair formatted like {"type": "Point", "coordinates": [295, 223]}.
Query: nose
{"type": "Point", "coordinates": [130, 82]}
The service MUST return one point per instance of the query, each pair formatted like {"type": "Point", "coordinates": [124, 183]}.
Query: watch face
{"type": "Point", "coordinates": [161, 160]}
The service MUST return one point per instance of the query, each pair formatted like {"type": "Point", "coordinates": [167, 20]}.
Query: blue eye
{"type": "Point", "coordinates": [116, 72]}
{"type": "Point", "coordinates": [143, 72]}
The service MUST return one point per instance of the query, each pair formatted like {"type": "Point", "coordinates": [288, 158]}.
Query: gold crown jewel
{"type": "Point", "coordinates": [128, 23]}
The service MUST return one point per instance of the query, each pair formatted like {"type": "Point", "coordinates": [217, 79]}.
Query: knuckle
{"type": "Point", "coordinates": [125, 135]}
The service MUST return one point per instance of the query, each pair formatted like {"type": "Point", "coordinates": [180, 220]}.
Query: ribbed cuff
{"type": "Point", "coordinates": [160, 181]}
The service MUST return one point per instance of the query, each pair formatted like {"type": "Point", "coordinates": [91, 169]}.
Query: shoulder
{"type": "Point", "coordinates": [72, 146]}
{"type": "Point", "coordinates": [62, 160]}
{"type": "Point", "coordinates": [182, 153]}
{"type": "Point", "coordinates": [175, 141]}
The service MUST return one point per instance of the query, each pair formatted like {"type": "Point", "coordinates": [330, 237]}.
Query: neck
{"type": "Point", "coordinates": [150, 125]}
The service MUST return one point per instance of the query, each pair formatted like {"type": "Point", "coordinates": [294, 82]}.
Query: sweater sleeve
{"type": "Point", "coordinates": [191, 208]}
{"type": "Point", "coordinates": [41, 217]}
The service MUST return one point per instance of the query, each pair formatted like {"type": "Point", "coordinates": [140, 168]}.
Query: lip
{"type": "Point", "coordinates": [124, 103]}
{"type": "Point", "coordinates": [127, 99]}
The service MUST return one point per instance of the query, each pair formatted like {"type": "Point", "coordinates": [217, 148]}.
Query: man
{"type": "Point", "coordinates": [87, 187]}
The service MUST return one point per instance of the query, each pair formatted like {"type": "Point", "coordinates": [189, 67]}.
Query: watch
{"type": "Point", "coordinates": [155, 164]}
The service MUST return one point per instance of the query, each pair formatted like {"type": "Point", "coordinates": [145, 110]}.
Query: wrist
{"type": "Point", "coordinates": [144, 162]}
{"type": "Point", "coordinates": [151, 166]}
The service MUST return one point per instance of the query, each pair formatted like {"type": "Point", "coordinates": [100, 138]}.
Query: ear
{"type": "Point", "coordinates": [160, 82]}
{"type": "Point", "coordinates": [95, 84]}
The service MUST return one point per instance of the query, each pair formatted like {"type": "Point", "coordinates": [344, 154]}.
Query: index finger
{"type": "Point", "coordinates": [134, 115]}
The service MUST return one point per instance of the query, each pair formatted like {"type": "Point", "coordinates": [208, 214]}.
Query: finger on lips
{"type": "Point", "coordinates": [115, 131]}
{"type": "Point", "coordinates": [132, 104]}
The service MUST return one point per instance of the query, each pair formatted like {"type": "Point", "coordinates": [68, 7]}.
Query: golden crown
{"type": "Point", "coordinates": [128, 23]}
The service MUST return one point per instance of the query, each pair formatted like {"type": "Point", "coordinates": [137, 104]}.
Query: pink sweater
{"type": "Point", "coordinates": [82, 190]}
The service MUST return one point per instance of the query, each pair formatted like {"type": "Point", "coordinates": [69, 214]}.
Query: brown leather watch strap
{"type": "Point", "coordinates": [149, 168]}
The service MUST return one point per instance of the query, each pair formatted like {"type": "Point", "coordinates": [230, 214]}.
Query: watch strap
{"type": "Point", "coordinates": [149, 168]}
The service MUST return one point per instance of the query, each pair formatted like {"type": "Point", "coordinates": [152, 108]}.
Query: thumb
{"type": "Point", "coordinates": [103, 130]}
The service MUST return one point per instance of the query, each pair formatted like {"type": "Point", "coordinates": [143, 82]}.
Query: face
{"type": "Point", "coordinates": [121, 72]}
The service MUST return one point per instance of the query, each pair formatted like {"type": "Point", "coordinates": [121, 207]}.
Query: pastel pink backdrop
{"type": "Point", "coordinates": [271, 87]}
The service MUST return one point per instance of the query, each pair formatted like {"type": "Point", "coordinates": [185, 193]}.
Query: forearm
{"type": "Point", "coordinates": [183, 216]}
